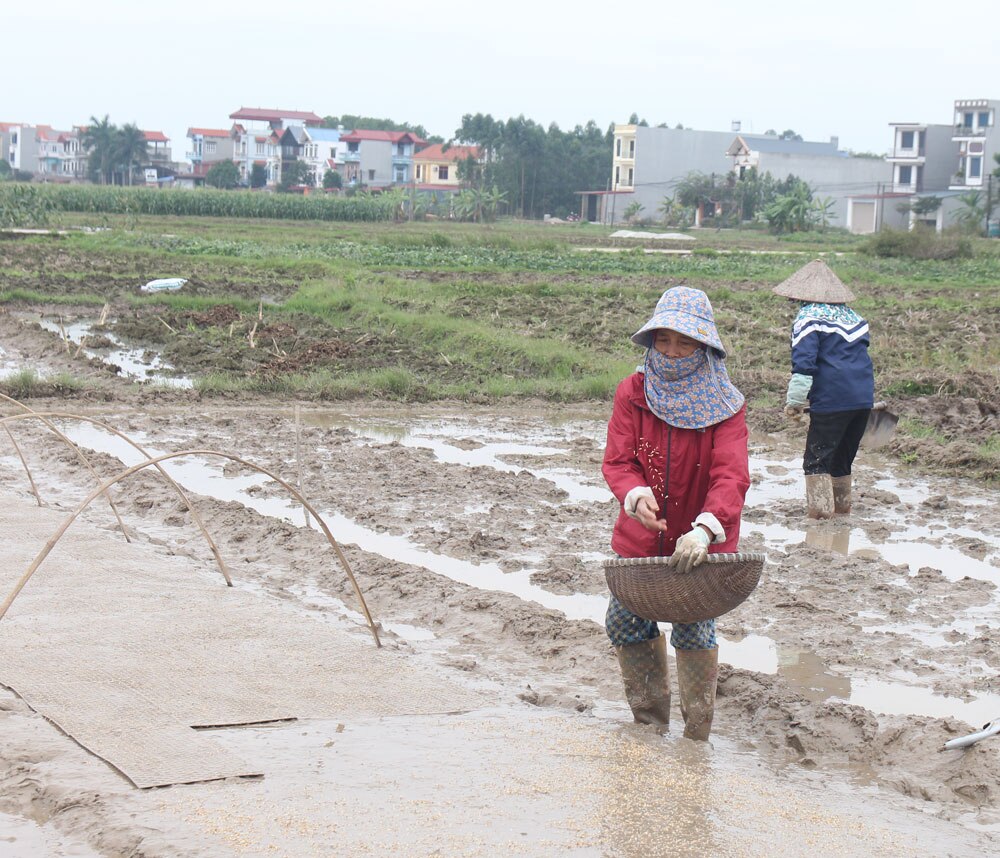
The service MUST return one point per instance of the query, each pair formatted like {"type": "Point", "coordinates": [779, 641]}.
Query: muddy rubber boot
{"type": "Point", "coordinates": [819, 496]}
{"type": "Point", "coordinates": [646, 678]}
{"type": "Point", "coordinates": [841, 494]}
{"type": "Point", "coordinates": [697, 676]}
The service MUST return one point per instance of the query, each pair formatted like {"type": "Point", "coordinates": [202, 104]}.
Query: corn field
{"type": "Point", "coordinates": [205, 203]}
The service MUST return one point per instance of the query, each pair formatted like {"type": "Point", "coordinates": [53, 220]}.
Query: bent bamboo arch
{"type": "Point", "coordinates": [74, 447]}
{"type": "Point", "coordinates": [43, 417]}
{"type": "Point", "coordinates": [134, 469]}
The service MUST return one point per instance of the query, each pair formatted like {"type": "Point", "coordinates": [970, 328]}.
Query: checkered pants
{"type": "Point", "coordinates": [625, 628]}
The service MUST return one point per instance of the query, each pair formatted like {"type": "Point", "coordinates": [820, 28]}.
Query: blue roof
{"type": "Point", "coordinates": [331, 135]}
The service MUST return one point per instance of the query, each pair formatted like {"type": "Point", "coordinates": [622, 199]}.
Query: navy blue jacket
{"type": "Point", "coordinates": [830, 343]}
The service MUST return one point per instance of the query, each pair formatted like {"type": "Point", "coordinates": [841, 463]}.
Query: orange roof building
{"type": "Point", "coordinates": [436, 167]}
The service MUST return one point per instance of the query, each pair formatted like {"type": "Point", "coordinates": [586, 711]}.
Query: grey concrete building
{"type": "Point", "coordinates": [938, 164]}
{"type": "Point", "coordinates": [831, 173]}
{"type": "Point", "coordinates": [649, 163]}
{"type": "Point", "coordinates": [921, 157]}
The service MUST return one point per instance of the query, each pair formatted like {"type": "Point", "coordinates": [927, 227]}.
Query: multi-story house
{"type": "Point", "coordinates": [922, 164]}
{"type": "Point", "coordinates": [978, 141]}
{"type": "Point", "coordinates": [49, 154]}
{"type": "Point", "coordinates": [5, 134]}
{"type": "Point", "coordinates": [209, 146]}
{"type": "Point", "coordinates": [158, 149]}
{"type": "Point", "coordinates": [260, 147]}
{"type": "Point", "coordinates": [291, 143]}
{"type": "Point", "coordinates": [920, 157]}
{"type": "Point", "coordinates": [436, 167]}
{"type": "Point", "coordinates": [58, 154]}
{"type": "Point", "coordinates": [322, 151]}
{"type": "Point", "coordinates": [378, 159]}
{"type": "Point", "coordinates": [257, 135]}
{"type": "Point", "coordinates": [22, 151]}
{"type": "Point", "coordinates": [933, 167]}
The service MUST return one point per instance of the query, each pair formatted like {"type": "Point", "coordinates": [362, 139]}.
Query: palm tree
{"type": "Point", "coordinates": [973, 212]}
{"type": "Point", "coordinates": [131, 148]}
{"type": "Point", "coordinates": [99, 139]}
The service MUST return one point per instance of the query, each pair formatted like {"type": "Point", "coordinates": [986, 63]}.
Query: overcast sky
{"type": "Point", "coordinates": [846, 68]}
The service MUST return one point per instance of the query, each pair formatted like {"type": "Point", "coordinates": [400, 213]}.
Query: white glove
{"type": "Point", "coordinates": [799, 386]}
{"type": "Point", "coordinates": [691, 550]}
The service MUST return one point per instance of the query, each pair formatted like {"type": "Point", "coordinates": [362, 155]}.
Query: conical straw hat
{"type": "Point", "coordinates": [815, 282]}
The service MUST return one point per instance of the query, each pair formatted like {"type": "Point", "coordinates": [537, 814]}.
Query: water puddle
{"type": "Point", "coordinates": [902, 694]}
{"type": "Point", "coordinates": [439, 438]}
{"type": "Point", "coordinates": [527, 782]}
{"type": "Point", "coordinates": [11, 365]}
{"type": "Point", "coordinates": [138, 364]}
{"type": "Point", "coordinates": [906, 697]}
{"type": "Point", "coordinates": [206, 477]}
{"type": "Point", "coordinates": [24, 838]}
{"type": "Point", "coordinates": [907, 547]}
{"type": "Point", "coordinates": [754, 652]}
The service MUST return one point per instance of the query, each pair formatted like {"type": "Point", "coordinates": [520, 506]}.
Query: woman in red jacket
{"type": "Point", "coordinates": [677, 461]}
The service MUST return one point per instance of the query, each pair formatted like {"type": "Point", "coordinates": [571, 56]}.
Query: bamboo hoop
{"type": "Point", "coordinates": [298, 457]}
{"type": "Point", "coordinates": [136, 468]}
{"type": "Point", "coordinates": [79, 454]}
{"type": "Point", "coordinates": [24, 462]}
{"type": "Point", "coordinates": [181, 493]}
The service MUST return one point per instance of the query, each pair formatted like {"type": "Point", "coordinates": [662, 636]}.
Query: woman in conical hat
{"type": "Point", "coordinates": [831, 374]}
{"type": "Point", "coordinates": [676, 459]}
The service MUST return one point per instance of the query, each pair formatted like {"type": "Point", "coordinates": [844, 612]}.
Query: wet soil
{"type": "Point", "coordinates": [478, 534]}
{"type": "Point", "coordinates": [955, 430]}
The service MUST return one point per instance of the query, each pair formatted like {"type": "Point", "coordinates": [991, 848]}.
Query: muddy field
{"type": "Point", "coordinates": [477, 535]}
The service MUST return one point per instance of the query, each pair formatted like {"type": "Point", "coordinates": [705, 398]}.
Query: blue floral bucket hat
{"type": "Point", "coordinates": [685, 310]}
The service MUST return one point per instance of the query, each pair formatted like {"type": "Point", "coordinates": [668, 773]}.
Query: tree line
{"type": "Point", "coordinates": [536, 170]}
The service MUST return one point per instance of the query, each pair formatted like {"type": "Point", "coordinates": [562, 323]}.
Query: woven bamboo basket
{"type": "Point", "coordinates": [651, 589]}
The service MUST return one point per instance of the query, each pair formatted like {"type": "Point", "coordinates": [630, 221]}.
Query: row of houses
{"type": "Point", "coordinates": [937, 162]}
{"type": "Point", "coordinates": [263, 143]}
{"type": "Point", "coordinates": [272, 140]}
{"type": "Point", "coordinates": [55, 155]}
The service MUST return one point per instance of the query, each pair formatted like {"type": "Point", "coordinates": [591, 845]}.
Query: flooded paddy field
{"type": "Point", "coordinates": [477, 532]}
{"type": "Point", "coordinates": [477, 536]}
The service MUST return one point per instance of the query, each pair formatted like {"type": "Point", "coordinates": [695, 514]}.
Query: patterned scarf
{"type": "Point", "coordinates": [691, 392]}
{"type": "Point", "coordinates": [840, 313]}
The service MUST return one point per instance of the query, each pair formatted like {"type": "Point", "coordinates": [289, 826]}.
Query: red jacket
{"type": "Point", "coordinates": [708, 472]}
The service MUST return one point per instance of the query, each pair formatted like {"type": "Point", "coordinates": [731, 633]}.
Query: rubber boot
{"type": "Point", "coordinates": [841, 494]}
{"type": "Point", "coordinates": [819, 496]}
{"type": "Point", "coordinates": [697, 676]}
{"type": "Point", "coordinates": [646, 678]}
